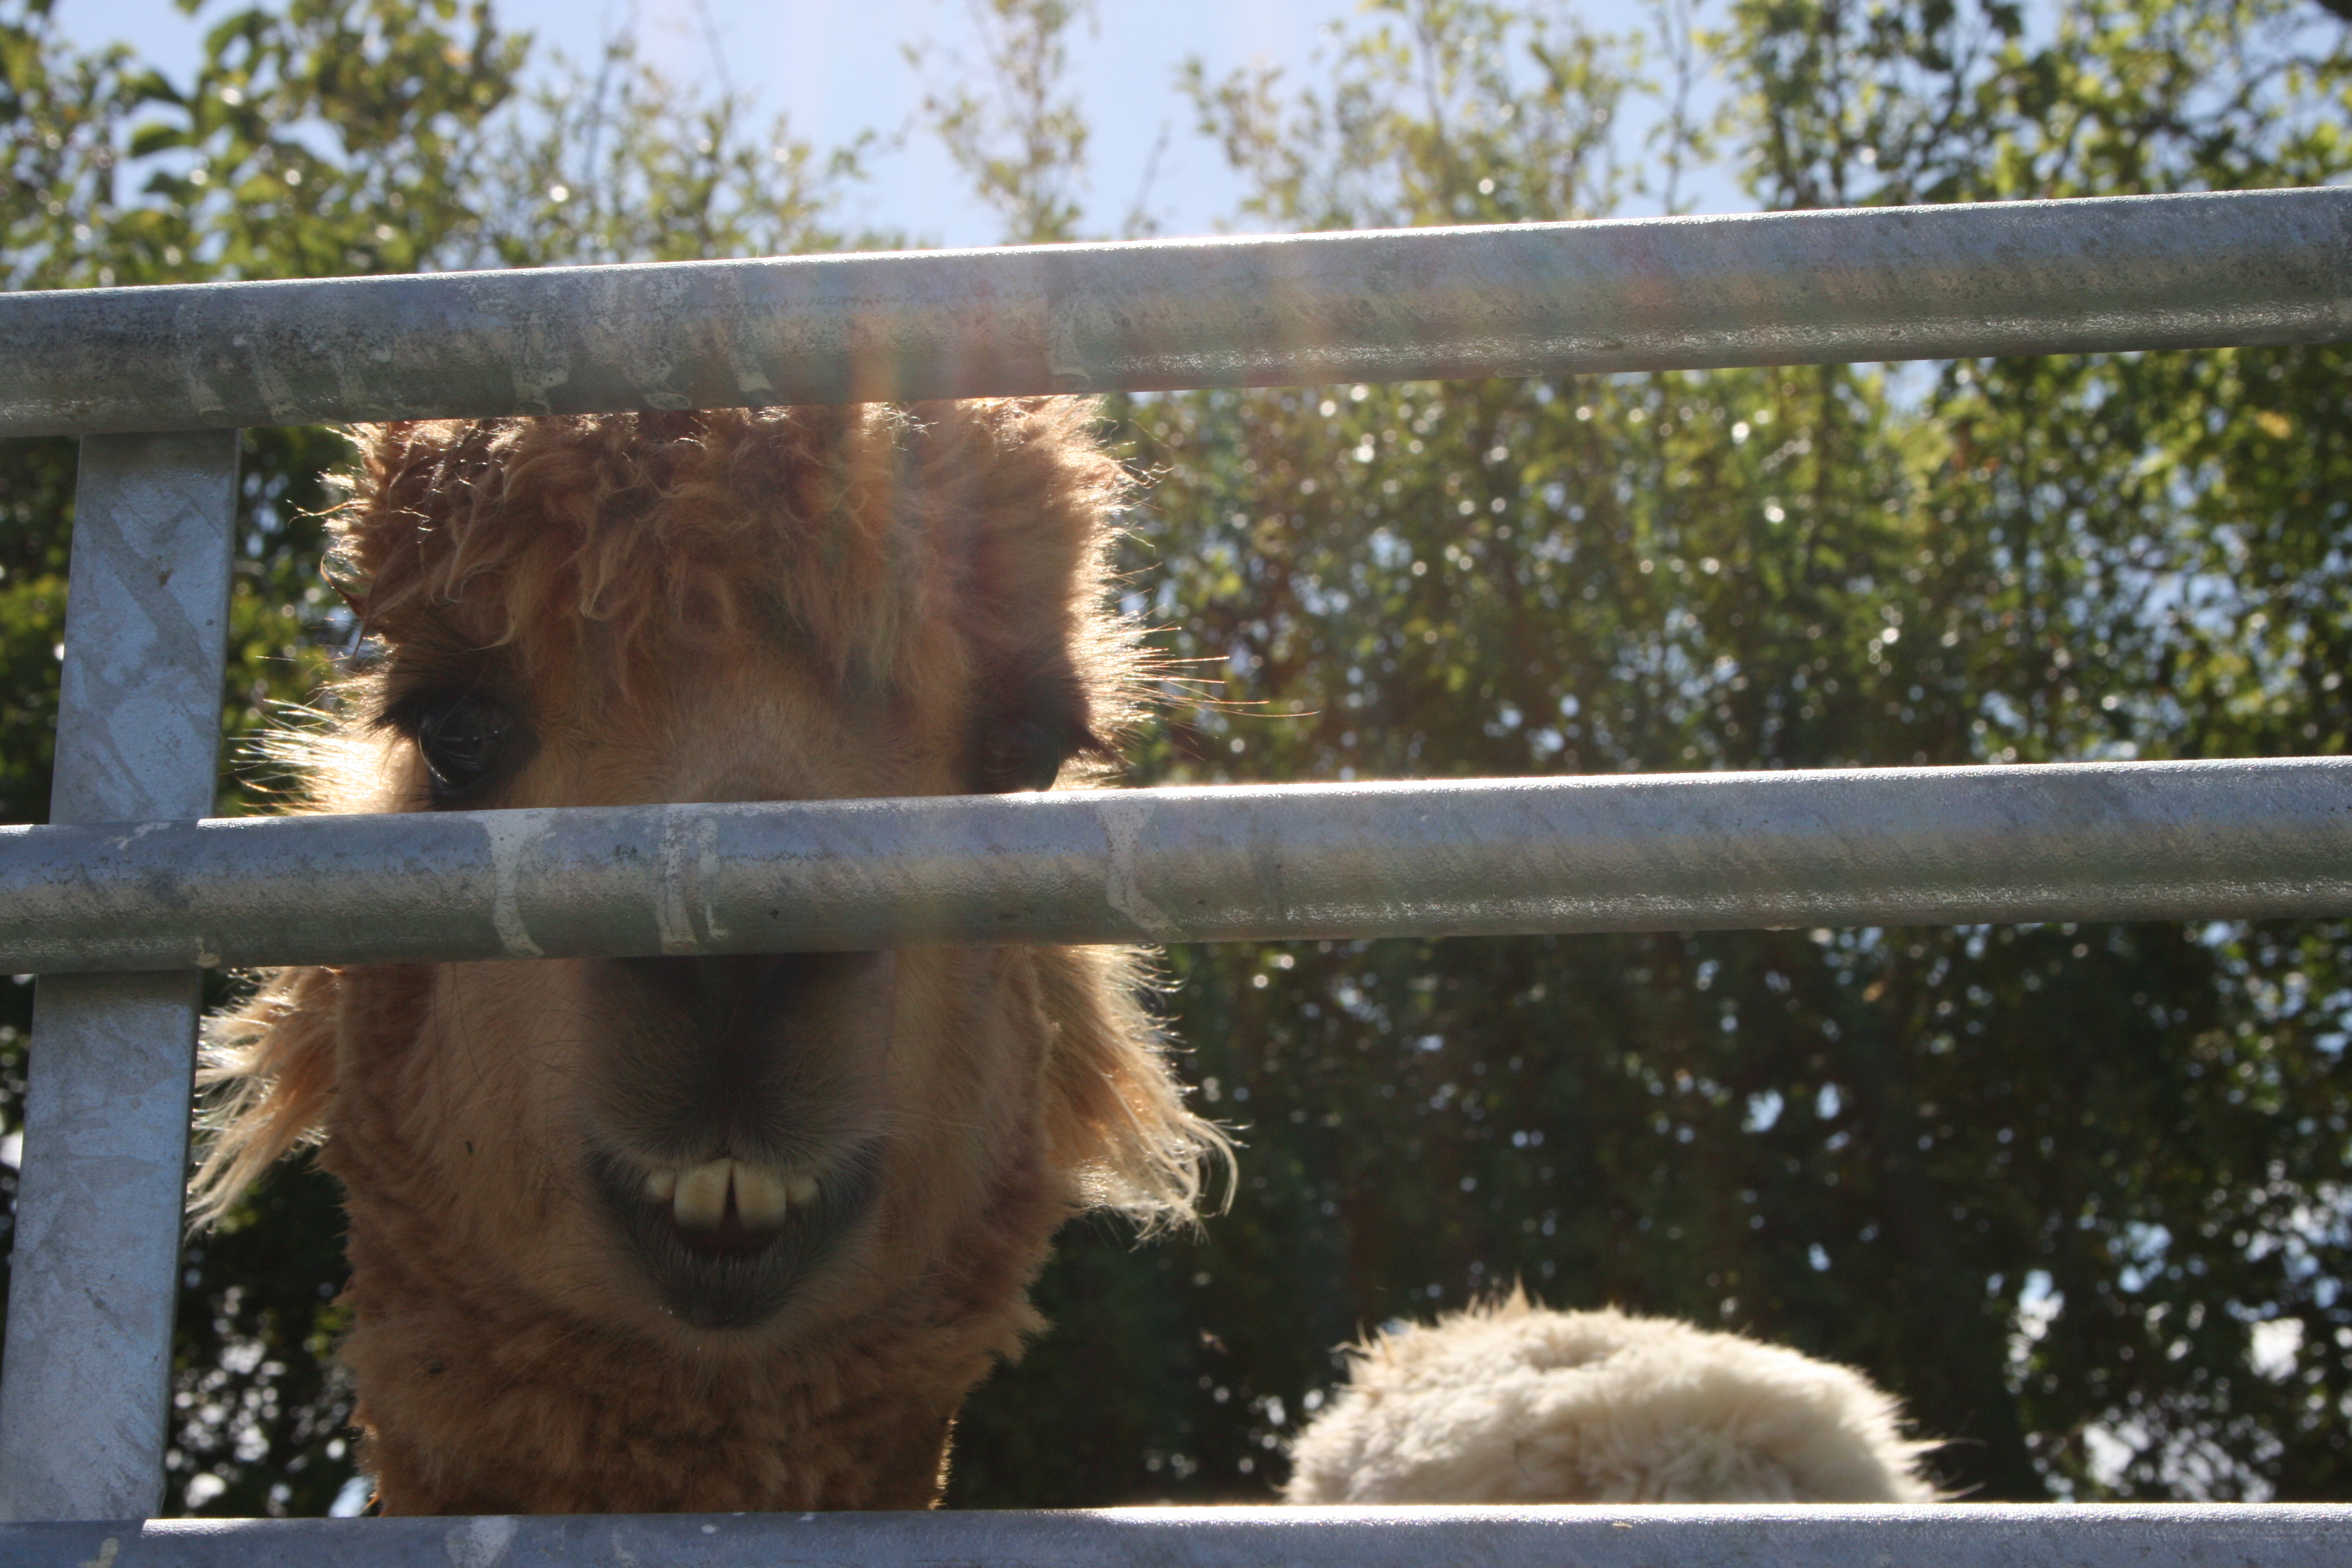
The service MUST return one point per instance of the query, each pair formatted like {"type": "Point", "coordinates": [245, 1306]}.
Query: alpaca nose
{"type": "Point", "coordinates": [725, 993]}
{"type": "Point", "coordinates": [767, 1058]}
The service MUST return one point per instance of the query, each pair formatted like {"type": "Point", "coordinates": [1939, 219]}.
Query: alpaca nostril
{"type": "Point", "coordinates": [732, 988]}
{"type": "Point", "coordinates": [776, 1059]}
{"type": "Point", "coordinates": [721, 992]}
{"type": "Point", "coordinates": [739, 986]}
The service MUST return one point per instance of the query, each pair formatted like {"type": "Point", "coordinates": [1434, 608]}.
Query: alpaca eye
{"type": "Point", "coordinates": [1022, 754]}
{"type": "Point", "coordinates": [463, 742]}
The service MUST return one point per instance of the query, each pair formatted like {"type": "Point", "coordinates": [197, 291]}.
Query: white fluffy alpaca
{"type": "Point", "coordinates": [1509, 1402]}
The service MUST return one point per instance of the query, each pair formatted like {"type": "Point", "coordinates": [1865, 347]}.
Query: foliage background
{"type": "Point", "coordinates": [2079, 1195]}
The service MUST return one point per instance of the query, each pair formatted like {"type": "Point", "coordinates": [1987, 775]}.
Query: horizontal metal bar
{"type": "Point", "coordinates": [1891, 283]}
{"type": "Point", "coordinates": [1950, 1535]}
{"type": "Point", "coordinates": [1892, 845]}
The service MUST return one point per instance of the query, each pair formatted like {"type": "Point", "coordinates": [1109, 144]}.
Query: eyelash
{"type": "Point", "coordinates": [459, 760]}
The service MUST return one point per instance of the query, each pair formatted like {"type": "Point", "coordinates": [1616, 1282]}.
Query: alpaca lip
{"type": "Point", "coordinates": [714, 1269]}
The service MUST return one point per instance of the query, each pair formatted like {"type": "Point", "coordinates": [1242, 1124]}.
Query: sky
{"type": "Point", "coordinates": [836, 67]}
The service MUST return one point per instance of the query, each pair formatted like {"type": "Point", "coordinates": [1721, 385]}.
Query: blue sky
{"type": "Point", "coordinates": [836, 69]}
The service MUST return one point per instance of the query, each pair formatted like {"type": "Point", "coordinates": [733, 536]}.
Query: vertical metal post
{"type": "Point", "coordinates": [96, 1260]}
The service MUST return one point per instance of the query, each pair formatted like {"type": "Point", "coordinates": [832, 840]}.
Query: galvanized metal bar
{"type": "Point", "coordinates": [1894, 847]}
{"type": "Point", "coordinates": [2132, 272]}
{"type": "Point", "coordinates": [94, 1271]}
{"type": "Point", "coordinates": [1962, 1535]}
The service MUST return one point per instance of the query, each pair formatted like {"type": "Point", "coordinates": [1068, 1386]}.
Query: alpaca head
{"type": "Point", "coordinates": [755, 1183]}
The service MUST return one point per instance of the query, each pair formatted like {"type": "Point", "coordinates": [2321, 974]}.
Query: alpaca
{"type": "Point", "coordinates": [693, 1233]}
{"type": "Point", "coordinates": [1508, 1402]}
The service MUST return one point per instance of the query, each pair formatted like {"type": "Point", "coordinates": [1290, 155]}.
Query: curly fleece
{"type": "Point", "coordinates": [1509, 1403]}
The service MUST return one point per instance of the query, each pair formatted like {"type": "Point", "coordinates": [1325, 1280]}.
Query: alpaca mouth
{"type": "Point", "coordinates": [727, 1242]}
{"type": "Point", "coordinates": [730, 1204]}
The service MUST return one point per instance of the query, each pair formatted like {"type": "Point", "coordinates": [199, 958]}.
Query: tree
{"type": "Point", "coordinates": [1019, 140]}
{"type": "Point", "coordinates": [2112, 1160]}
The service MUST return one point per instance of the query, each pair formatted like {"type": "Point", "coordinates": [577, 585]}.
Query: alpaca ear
{"type": "Point", "coordinates": [268, 1076]}
{"type": "Point", "coordinates": [1115, 1116]}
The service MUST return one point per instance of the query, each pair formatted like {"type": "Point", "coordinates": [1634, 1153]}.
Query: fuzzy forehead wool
{"type": "Point", "coordinates": [1507, 1401]}
{"type": "Point", "coordinates": [858, 529]}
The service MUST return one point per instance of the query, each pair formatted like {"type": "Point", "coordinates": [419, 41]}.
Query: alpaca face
{"type": "Point", "coordinates": [715, 1144]}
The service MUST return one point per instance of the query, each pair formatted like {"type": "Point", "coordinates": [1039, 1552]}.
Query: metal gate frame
{"type": "Point", "coordinates": [127, 895]}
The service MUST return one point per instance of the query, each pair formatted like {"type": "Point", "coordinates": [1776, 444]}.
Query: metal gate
{"type": "Point", "coordinates": [128, 894]}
